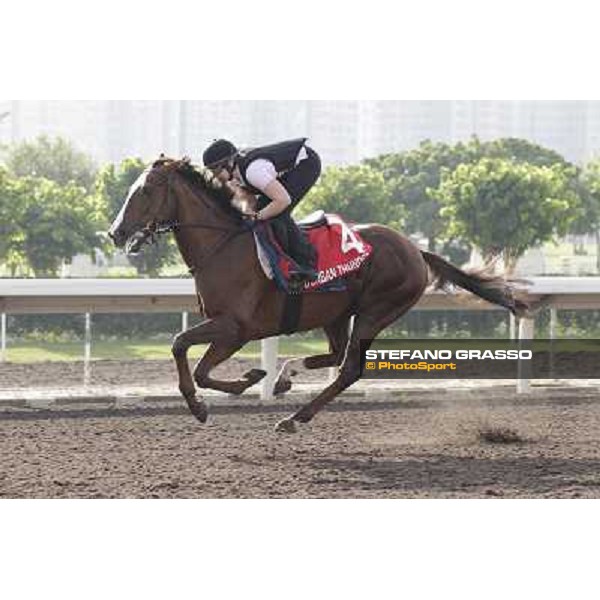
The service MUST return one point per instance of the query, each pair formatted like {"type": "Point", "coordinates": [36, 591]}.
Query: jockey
{"type": "Point", "coordinates": [281, 174]}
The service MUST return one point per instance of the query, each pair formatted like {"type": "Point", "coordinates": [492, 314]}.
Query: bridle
{"type": "Point", "coordinates": [155, 228]}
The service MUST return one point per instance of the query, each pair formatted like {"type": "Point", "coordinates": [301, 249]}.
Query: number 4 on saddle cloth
{"type": "Point", "coordinates": [340, 251]}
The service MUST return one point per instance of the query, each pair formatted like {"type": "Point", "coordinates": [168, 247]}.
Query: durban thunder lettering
{"type": "Point", "coordinates": [340, 270]}
{"type": "Point", "coordinates": [448, 354]}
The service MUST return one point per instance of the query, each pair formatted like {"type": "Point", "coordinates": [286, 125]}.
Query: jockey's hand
{"type": "Point", "coordinates": [250, 216]}
{"type": "Point", "coordinates": [243, 200]}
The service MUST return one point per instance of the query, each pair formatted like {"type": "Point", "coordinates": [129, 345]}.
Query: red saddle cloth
{"type": "Point", "coordinates": [341, 250]}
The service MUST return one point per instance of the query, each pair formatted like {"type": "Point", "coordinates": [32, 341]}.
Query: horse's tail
{"type": "Point", "coordinates": [493, 288]}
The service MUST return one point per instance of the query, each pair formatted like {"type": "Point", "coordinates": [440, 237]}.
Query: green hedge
{"type": "Point", "coordinates": [416, 324]}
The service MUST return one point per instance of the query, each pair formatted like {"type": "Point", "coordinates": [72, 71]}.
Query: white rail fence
{"type": "Point", "coordinates": [88, 296]}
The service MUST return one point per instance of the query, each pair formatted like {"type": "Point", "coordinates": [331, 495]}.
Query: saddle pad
{"type": "Point", "coordinates": [341, 250]}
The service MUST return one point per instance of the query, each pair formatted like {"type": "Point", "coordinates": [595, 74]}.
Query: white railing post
{"type": "Point", "coordinates": [3, 336]}
{"type": "Point", "coordinates": [526, 331]}
{"type": "Point", "coordinates": [512, 326]}
{"type": "Point", "coordinates": [268, 352]}
{"type": "Point", "coordinates": [553, 323]}
{"type": "Point", "coordinates": [87, 352]}
{"type": "Point", "coordinates": [553, 328]}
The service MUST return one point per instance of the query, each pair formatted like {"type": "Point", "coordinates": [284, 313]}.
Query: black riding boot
{"type": "Point", "coordinates": [296, 245]}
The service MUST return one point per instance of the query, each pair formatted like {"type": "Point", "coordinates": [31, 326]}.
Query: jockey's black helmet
{"type": "Point", "coordinates": [219, 151]}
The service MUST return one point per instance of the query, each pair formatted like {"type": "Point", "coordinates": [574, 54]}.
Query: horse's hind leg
{"type": "Point", "coordinates": [365, 329]}
{"type": "Point", "coordinates": [337, 334]}
{"type": "Point", "coordinates": [216, 354]}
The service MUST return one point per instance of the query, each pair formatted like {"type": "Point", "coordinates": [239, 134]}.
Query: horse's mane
{"type": "Point", "coordinates": [202, 181]}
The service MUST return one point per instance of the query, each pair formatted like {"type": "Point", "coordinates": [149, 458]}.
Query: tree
{"type": "Point", "coordinates": [43, 223]}
{"type": "Point", "coordinates": [113, 182]}
{"type": "Point", "coordinates": [112, 185]}
{"type": "Point", "coordinates": [54, 159]}
{"type": "Point", "coordinates": [589, 222]}
{"type": "Point", "coordinates": [12, 252]}
{"type": "Point", "coordinates": [358, 193]}
{"type": "Point", "coordinates": [503, 207]}
{"type": "Point", "coordinates": [415, 175]}
{"type": "Point", "coordinates": [412, 177]}
{"type": "Point", "coordinates": [519, 151]}
{"type": "Point", "coordinates": [57, 222]}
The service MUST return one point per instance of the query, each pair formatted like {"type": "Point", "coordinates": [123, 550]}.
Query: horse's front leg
{"type": "Point", "coordinates": [209, 331]}
{"type": "Point", "coordinates": [216, 354]}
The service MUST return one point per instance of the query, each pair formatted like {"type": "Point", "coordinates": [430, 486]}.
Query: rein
{"type": "Point", "coordinates": [154, 229]}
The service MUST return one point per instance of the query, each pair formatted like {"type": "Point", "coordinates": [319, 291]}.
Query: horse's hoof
{"type": "Point", "coordinates": [254, 375]}
{"type": "Point", "coordinates": [282, 386]}
{"type": "Point", "coordinates": [199, 410]}
{"type": "Point", "coordinates": [286, 426]}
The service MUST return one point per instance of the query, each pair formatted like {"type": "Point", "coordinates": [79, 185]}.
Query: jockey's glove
{"type": "Point", "coordinates": [251, 216]}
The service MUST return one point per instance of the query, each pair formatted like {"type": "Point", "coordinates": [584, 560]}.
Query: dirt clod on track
{"type": "Point", "coordinates": [380, 448]}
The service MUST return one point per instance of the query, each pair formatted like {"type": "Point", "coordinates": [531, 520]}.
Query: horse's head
{"type": "Point", "coordinates": [148, 204]}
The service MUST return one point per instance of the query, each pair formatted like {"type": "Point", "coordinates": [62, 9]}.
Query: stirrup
{"type": "Point", "coordinates": [295, 287]}
{"type": "Point", "coordinates": [299, 278]}
{"type": "Point", "coordinates": [305, 273]}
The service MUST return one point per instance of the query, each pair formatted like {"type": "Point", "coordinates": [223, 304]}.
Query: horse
{"type": "Point", "coordinates": [239, 303]}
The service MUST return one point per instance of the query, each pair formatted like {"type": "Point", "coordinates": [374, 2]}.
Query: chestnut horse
{"type": "Point", "coordinates": [240, 303]}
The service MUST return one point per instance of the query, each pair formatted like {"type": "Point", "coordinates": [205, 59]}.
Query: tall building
{"type": "Point", "coordinates": [274, 120]}
{"type": "Point", "coordinates": [558, 125]}
{"type": "Point", "coordinates": [134, 128]}
{"type": "Point", "coordinates": [202, 121]}
{"type": "Point", "coordinates": [592, 131]}
{"type": "Point", "coordinates": [567, 127]}
{"type": "Point", "coordinates": [343, 131]}
{"type": "Point", "coordinates": [333, 129]}
{"type": "Point", "coordinates": [488, 119]}
{"type": "Point", "coordinates": [393, 126]}
{"type": "Point", "coordinates": [82, 122]}
{"type": "Point", "coordinates": [5, 121]}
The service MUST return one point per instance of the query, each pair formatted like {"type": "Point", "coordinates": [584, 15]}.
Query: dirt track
{"type": "Point", "coordinates": [358, 449]}
{"type": "Point", "coordinates": [115, 372]}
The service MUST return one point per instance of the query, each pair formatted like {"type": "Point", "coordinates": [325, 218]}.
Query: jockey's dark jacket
{"type": "Point", "coordinates": [283, 156]}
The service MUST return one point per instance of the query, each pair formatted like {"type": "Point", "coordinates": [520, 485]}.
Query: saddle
{"type": "Point", "coordinates": [340, 250]}
{"type": "Point", "coordinates": [312, 221]}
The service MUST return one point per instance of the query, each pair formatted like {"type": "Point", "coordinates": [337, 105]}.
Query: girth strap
{"type": "Point", "coordinates": [290, 316]}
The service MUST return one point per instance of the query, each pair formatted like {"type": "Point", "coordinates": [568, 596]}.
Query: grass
{"type": "Point", "coordinates": [27, 352]}
{"type": "Point", "coordinates": [142, 349]}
